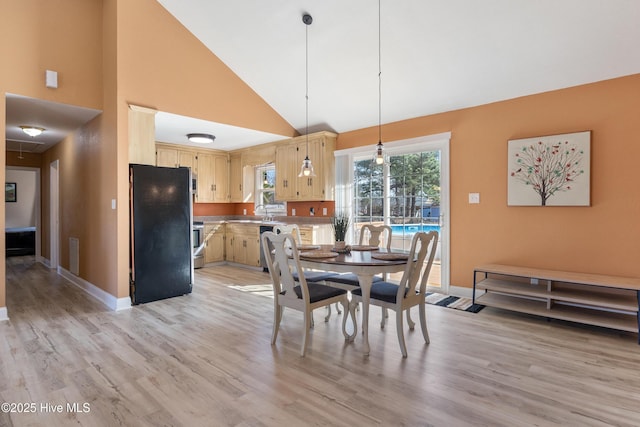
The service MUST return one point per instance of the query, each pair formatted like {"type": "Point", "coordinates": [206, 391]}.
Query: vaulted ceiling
{"type": "Point", "coordinates": [435, 56]}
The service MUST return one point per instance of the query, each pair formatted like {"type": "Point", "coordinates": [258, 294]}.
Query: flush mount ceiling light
{"type": "Point", "coordinates": [379, 153]}
{"type": "Point", "coordinates": [201, 138]}
{"type": "Point", "coordinates": [32, 131]}
{"type": "Point", "coordinates": [307, 168]}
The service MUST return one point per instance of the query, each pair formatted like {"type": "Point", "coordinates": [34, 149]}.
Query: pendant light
{"type": "Point", "coordinates": [379, 153]}
{"type": "Point", "coordinates": [307, 168]}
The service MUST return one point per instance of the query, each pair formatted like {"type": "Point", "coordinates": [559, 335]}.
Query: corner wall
{"type": "Point", "coordinates": [602, 238]}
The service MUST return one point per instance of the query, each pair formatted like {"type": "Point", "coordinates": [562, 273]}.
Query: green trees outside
{"type": "Point", "coordinates": [414, 189]}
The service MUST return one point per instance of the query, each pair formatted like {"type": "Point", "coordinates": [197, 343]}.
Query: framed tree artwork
{"type": "Point", "coordinates": [550, 170]}
{"type": "Point", "coordinates": [10, 192]}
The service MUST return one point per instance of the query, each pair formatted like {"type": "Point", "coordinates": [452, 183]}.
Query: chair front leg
{"type": "Point", "coordinates": [305, 333]}
{"type": "Point", "coordinates": [347, 311]}
{"type": "Point", "coordinates": [400, 331]}
{"type": "Point", "coordinates": [277, 316]}
{"type": "Point", "coordinates": [423, 322]}
{"type": "Point", "coordinates": [353, 305]}
{"type": "Point", "coordinates": [410, 322]}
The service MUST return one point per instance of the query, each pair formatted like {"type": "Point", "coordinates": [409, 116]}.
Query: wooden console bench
{"type": "Point", "coordinates": [600, 300]}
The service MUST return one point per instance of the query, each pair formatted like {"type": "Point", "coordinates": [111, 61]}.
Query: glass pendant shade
{"type": "Point", "coordinates": [307, 169]}
{"type": "Point", "coordinates": [379, 154]}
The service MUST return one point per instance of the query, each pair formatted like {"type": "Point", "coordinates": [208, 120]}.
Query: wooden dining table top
{"type": "Point", "coordinates": [359, 258]}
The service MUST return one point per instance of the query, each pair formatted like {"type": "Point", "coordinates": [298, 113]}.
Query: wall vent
{"type": "Point", "coordinates": [74, 255]}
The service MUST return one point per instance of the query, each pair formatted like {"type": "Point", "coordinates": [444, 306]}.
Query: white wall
{"type": "Point", "coordinates": [22, 213]}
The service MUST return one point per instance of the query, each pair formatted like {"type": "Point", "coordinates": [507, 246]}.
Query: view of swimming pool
{"type": "Point", "coordinates": [413, 228]}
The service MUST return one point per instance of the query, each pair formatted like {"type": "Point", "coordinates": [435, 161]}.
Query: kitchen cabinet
{"type": "Point", "coordinates": [244, 247]}
{"type": "Point", "coordinates": [214, 247]}
{"type": "Point", "coordinates": [241, 179]}
{"type": "Point", "coordinates": [235, 178]}
{"type": "Point", "coordinates": [166, 157]}
{"type": "Point", "coordinates": [289, 159]}
{"type": "Point", "coordinates": [317, 234]}
{"type": "Point", "coordinates": [213, 181]}
{"type": "Point", "coordinates": [172, 157]}
{"type": "Point", "coordinates": [286, 172]}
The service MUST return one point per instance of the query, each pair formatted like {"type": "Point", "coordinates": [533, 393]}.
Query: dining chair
{"type": "Point", "coordinates": [299, 295]}
{"type": "Point", "coordinates": [411, 290]}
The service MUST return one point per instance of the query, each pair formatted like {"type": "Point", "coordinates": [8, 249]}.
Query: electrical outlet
{"type": "Point", "coordinates": [244, 211]}
{"type": "Point", "coordinates": [293, 212]}
{"type": "Point", "coordinates": [324, 211]}
{"type": "Point", "coordinates": [312, 211]}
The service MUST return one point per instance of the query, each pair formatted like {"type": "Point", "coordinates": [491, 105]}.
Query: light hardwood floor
{"type": "Point", "coordinates": [205, 360]}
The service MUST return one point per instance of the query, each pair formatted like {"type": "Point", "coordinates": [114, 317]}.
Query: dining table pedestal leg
{"type": "Point", "coordinates": [365, 281]}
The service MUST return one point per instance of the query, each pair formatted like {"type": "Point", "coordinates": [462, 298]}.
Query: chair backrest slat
{"type": "Point", "coordinates": [422, 252]}
{"type": "Point", "coordinates": [289, 229]}
{"type": "Point", "coordinates": [281, 262]}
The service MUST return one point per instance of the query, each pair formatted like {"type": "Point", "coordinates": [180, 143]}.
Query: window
{"type": "Point", "coordinates": [265, 199]}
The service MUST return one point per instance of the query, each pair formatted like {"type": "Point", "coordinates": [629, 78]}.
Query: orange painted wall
{"type": "Point", "coordinates": [165, 67]}
{"type": "Point", "coordinates": [602, 238]}
{"type": "Point", "coordinates": [64, 36]}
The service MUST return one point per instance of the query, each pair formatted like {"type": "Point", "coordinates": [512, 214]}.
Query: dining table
{"type": "Point", "coordinates": [363, 263]}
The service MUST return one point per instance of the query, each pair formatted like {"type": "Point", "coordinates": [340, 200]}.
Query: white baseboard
{"type": "Point", "coordinates": [3, 314]}
{"type": "Point", "coordinates": [106, 298]}
{"type": "Point", "coordinates": [44, 261]}
{"type": "Point", "coordinates": [459, 291]}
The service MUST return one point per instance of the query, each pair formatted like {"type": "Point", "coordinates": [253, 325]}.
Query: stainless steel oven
{"type": "Point", "coordinates": [198, 247]}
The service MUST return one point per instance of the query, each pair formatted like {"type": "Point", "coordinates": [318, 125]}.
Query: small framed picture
{"type": "Point", "coordinates": [10, 192]}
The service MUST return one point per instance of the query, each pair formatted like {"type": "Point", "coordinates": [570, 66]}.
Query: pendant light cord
{"type": "Point", "coordinates": [306, 93]}
{"type": "Point", "coordinates": [379, 74]}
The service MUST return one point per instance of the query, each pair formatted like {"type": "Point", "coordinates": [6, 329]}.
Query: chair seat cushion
{"type": "Point", "coordinates": [383, 291]}
{"type": "Point", "coordinates": [318, 292]}
{"type": "Point", "coordinates": [315, 276]}
{"type": "Point", "coordinates": [351, 279]}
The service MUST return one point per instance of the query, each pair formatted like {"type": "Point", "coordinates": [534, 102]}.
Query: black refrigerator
{"type": "Point", "coordinates": [160, 233]}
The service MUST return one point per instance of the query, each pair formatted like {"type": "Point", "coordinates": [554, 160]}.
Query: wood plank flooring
{"type": "Point", "coordinates": [205, 359]}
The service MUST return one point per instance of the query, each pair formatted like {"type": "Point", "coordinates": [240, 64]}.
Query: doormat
{"type": "Point", "coordinates": [457, 303]}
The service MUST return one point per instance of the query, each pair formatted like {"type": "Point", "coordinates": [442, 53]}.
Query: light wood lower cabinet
{"type": "Point", "coordinates": [243, 244]}
{"type": "Point", "coordinates": [214, 248]}
{"type": "Point", "coordinates": [320, 234]}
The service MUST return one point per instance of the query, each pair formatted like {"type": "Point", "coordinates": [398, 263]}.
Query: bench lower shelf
{"type": "Point", "coordinates": [623, 322]}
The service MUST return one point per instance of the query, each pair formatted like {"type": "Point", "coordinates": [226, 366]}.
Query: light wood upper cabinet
{"type": "Point", "coordinates": [286, 174]}
{"type": "Point", "coordinates": [289, 159]}
{"type": "Point", "coordinates": [235, 177]}
{"type": "Point", "coordinates": [213, 178]}
{"type": "Point", "coordinates": [167, 157]}
{"type": "Point", "coordinates": [220, 178]}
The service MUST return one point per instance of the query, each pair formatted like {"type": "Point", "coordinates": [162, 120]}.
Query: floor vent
{"type": "Point", "coordinates": [74, 256]}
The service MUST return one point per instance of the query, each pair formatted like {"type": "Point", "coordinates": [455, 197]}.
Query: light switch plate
{"type": "Point", "coordinates": [324, 211]}
{"type": "Point", "coordinates": [113, 204]}
{"type": "Point", "coordinates": [474, 198]}
{"type": "Point", "coordinates": [293, 212]}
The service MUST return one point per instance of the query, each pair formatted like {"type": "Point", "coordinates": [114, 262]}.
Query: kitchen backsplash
{"type": "Point", "coordinates": [302, 209]}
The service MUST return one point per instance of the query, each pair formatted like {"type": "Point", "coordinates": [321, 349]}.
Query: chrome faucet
{"type": "Point", "coordinates": [266, 216]}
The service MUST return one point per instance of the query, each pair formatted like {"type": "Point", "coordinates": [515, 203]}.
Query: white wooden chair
{"type": "Point", "coordinates": [411, 290]}
{"type": "Point", "coordinates": [298, 295]}
{"type": "Point", "coordinates": [290, 229]}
